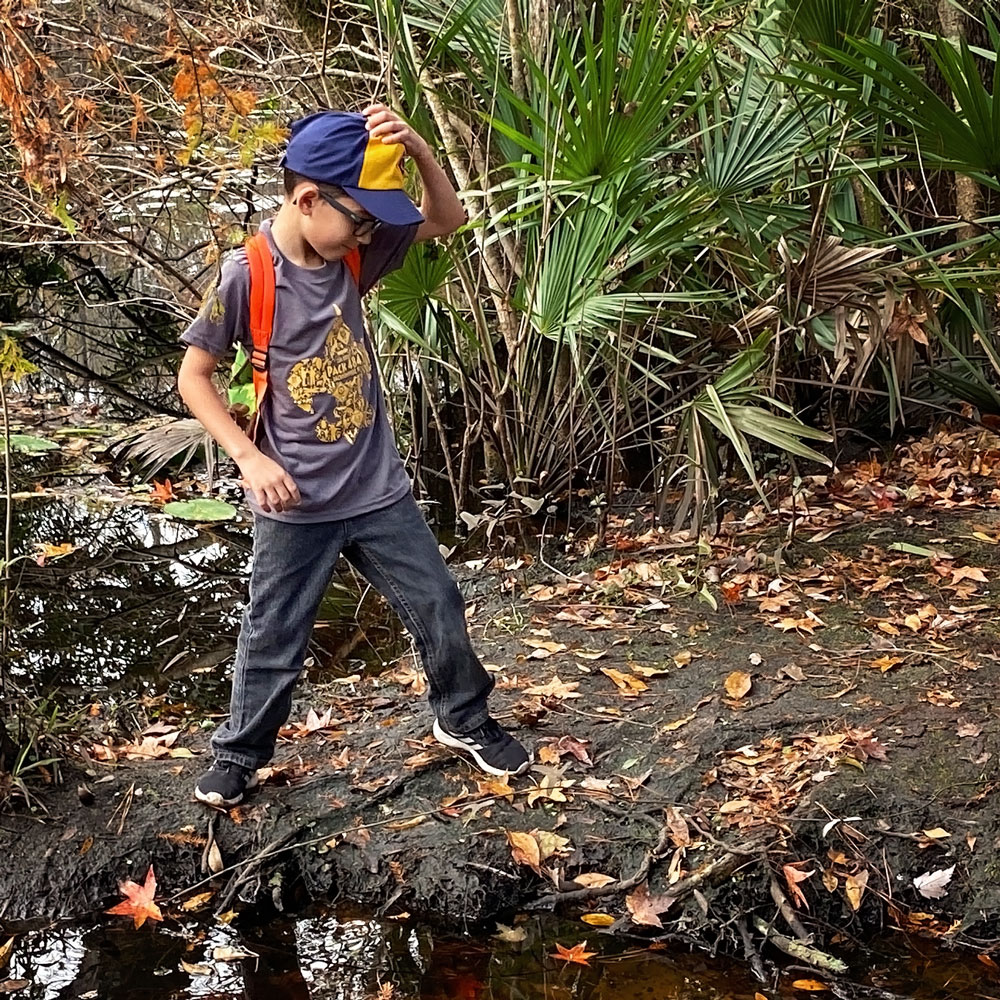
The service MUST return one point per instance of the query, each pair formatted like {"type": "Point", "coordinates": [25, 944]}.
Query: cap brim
{"type": "Point", "coordinates": [393, 207]}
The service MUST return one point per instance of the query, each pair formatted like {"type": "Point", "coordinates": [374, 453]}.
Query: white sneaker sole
{"type": "Point", "coordinates": [216, 799]}
{"type": "Point", "coordinates": [450, 741]}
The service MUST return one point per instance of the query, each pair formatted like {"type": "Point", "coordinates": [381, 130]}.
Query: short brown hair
{"type": "Point", "coordinates": [291, 180]}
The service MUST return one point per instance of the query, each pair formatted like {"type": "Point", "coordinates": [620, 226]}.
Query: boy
{"type": "Point", "coordinates": [324, 476]}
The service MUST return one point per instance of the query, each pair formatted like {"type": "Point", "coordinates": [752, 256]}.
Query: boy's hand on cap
{"type": "Point", "coordinates": [272, 487]}
{"type": "Point", "coordinates": [384, 123]}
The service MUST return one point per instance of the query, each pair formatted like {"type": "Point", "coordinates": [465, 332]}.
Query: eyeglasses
{"type": "Point", "coordinates": [364, 225]}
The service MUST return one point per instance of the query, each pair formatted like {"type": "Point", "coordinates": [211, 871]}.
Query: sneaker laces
{"type": "Point", "coordinates": [489, 732]}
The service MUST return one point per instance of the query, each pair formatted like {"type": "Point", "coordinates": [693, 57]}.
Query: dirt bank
{"type": "Point", "coordinates": [833, 713]}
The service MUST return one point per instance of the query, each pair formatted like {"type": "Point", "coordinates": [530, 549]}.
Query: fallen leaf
{"type": "Point", "coordinates": [162, 491]}
{"type": "Point", "coordinates": [598, 919]}
{"type": "Point", "coordinates": [215, 863]}
{"type": "Point", "coordinates": [542, 649]}
{"type": "Point", "coordinates": [524, 849]}
{"type": "Point", "coordinates": [578, 954]}
{"type": "Point", "coordinates": [5, 952]}
{"type": "Point", "coordinates": [738, 684]}
{"type": "Point", "coordinates": [810, 985]}
{"type": "Point", "coordinates": [196, 902]}
{"type": "Point", "coordinates": [886, 662]}
{"type": "Point", "coordinates": [628, 685]}
{"type": "Point", "coordinates": [936, 834]}
{"type": "Point", "coordinates": [968, 573]}
{"type": "Point", "coordinates": [196, 970]}
{"type": "Point", "coordinates": [793, 876]}
{"type": "Point", "coordinates": [933, 885]}
{"type": "Point", "coordinates": [224, 953]}
{"type": "Point", "coordinates": [556, 689]}
{"type": "Point", "coordinates": [593, 880]}
{"type": "Point", "coordinates": [646, 909]}
{"type": "Point", "coordinates": [139, 905]}
{"type": "Point", "coordinates": [969, 729]}
{"type": "Point", "coordinates": [45, 550]}
{"type": "Point", "coordinates": [512, 935]}
{"type": "Point", "coordinates": [855, 889]}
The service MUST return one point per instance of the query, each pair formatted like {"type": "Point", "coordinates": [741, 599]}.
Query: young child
{"type": "Point", "coordinates": [324, 477]}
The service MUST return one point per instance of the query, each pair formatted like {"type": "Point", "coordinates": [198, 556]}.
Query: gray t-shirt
{"type": "Point", "coordinates": [323, 418]}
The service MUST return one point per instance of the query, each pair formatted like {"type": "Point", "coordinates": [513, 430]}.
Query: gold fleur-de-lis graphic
{"type": "Point", "coordinates": [341, 372]}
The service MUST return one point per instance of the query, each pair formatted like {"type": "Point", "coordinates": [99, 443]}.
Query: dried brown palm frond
{"type": "Point", "coordinates": [175, 443]}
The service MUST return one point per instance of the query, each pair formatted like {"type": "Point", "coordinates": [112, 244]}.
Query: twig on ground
{"type": "Point", "coordinates": [796, 949]}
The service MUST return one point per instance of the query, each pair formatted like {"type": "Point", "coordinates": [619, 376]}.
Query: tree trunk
{"type": "Point", "coordinates": [968, 196]}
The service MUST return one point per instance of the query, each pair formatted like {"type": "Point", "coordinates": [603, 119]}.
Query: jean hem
{"type": "Point", "coordinates": [249, 763]}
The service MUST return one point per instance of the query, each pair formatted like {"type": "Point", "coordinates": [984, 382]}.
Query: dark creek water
{"type": "Point", "coordinates": [339, 956]}
{"type": "Point", "coordinates": [144, 604]}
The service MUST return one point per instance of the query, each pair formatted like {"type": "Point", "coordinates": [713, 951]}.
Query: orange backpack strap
{"type": "Point", "coordinates": [261, 310]}
{"type": "Point", "coordinates": [261, 263]}
{"type": "Point", "coordinates": [353, 262]}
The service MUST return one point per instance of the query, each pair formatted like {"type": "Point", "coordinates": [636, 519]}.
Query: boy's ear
{"type": "Point", "coordinates": [304, 197]}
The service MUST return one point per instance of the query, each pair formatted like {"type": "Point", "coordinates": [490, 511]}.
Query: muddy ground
{"type": "Point", "coordinates": [833, 712]}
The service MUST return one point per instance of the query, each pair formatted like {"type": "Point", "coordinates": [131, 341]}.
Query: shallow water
{"type": "Point", "coordinates": [147, 604]}
{"type": "Point", "coordinates": [345, 956]}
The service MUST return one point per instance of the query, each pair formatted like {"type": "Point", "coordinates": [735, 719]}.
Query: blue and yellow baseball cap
{"type": "Point", "coordinates": [334, 147]}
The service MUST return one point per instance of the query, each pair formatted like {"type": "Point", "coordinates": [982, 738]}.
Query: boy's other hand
{"type": "Point", "coordinates": [384, 123]}
{"type": "Point", "coordinates": [272, 487]}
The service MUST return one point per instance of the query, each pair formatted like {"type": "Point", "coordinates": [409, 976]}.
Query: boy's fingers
{"type": "Point", "coordinates": [395, 129]}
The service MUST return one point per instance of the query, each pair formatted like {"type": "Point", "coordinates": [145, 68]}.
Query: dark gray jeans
{"type": "Point", "coordinates": [394, 550]}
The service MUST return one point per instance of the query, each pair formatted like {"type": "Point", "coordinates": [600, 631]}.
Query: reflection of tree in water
{"type": "Point", "coordinates": [144, 602]}
{"type": "Point", "coordinates": [140, 596]}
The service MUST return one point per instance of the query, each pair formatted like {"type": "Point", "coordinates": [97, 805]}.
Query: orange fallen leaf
{"type": "Point", "coordinates": [578, 954]}
{"type": "Point", "coordinates": [139, 905]}
{"type": "Point", "coordinates": [629, 685]}
{"type": "Point", "coordinates": [738, 684]}
{"type": "Point", "coordinates": [45, 550]}
{"type": "Point", "coordinates": [885, 663]}
{"type": "Point", "coordinates": [162, 491]}
{"type": "Point", "coordinates": [793, 876]}
{"type": "Point", "coordinates": [812, 985]}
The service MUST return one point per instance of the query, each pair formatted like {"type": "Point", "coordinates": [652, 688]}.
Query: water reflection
{"type": "Point", "coordinates": [339, 955]}
{"type": "Point", "coordinates": [331, 957]}
{"type": "Point", "coordinates": [147, 604]}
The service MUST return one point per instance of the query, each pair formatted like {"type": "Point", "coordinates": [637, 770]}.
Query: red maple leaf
{"type": "Point", "coordinates": [139, 905]}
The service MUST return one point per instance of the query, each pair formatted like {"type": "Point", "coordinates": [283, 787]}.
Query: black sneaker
{"type": "Point", "coordinates": [224, 784]}
{"type": "Point", "coordinates": [490, 746]}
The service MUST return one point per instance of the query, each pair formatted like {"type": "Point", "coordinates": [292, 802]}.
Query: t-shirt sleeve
{"type": "Point", "coordinates": [385, 253]}
{"type": "Point", "coordinates": [224, 317]}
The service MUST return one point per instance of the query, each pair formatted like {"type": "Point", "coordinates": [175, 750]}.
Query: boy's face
{"type": "Point", "coordinates": [329, 231]}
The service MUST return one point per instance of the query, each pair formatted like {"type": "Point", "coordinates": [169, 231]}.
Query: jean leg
{"type": "Point", "coordinates": [292, 566]}
{"type": "Point", "coordinates": [395, 550]}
